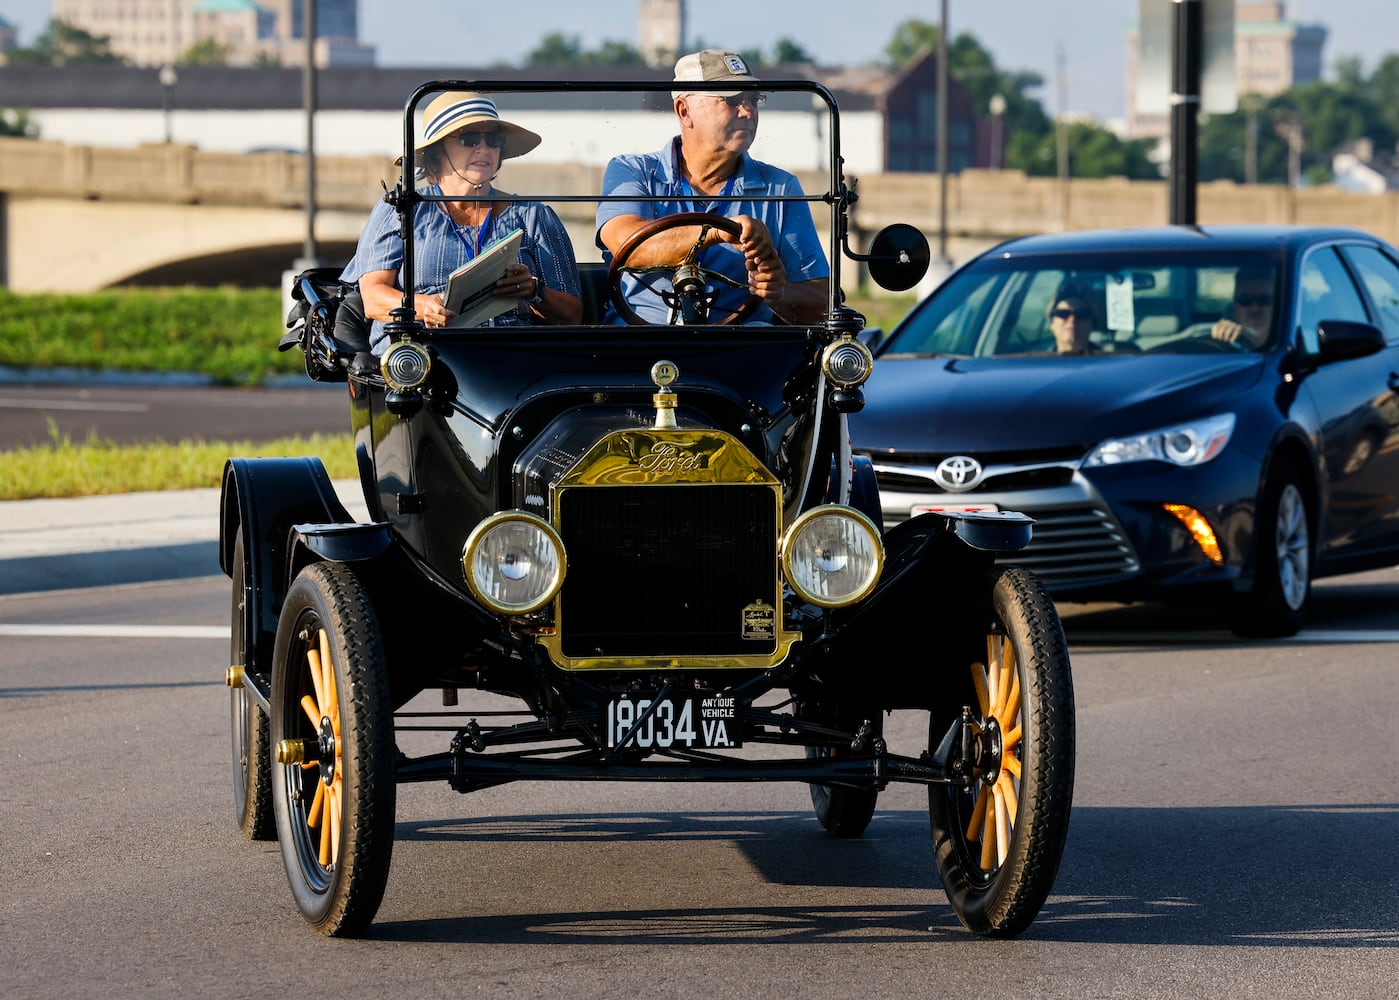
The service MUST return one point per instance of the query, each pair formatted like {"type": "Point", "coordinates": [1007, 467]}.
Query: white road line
{"type": "Point", "coordinates": [118, 631]}
{"type": "Point", "coordinates": [9, 402]}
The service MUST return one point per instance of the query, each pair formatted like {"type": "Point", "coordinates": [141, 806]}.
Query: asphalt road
{"type": "Point", "coordinates": [132, 414]}
{"type": "Point", "coordinates": [1235, 819]}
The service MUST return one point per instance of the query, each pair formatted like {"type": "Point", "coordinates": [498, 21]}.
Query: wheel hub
{"type": "Point", "coordinates": [325, 750]}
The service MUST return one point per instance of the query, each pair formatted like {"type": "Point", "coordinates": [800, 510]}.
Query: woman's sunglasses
{"type": "Point", "coordinates": [473, 139]}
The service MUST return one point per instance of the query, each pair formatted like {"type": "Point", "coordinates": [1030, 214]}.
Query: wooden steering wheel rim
{"type": "Point", "coordinates": [644, 233]}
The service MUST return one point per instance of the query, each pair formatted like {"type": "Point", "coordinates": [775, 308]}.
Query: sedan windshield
{"type": "Point", "coordinates": [1097, 305]}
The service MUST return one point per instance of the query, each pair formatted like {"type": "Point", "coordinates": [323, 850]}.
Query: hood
{"type": "Point", "coordinates": [945, 405]}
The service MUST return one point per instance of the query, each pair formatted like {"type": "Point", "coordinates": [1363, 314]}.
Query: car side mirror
{"type": "Point", "coordinates": [1343, 339]}
{"type": "Point", "coordinates": [898, 257]}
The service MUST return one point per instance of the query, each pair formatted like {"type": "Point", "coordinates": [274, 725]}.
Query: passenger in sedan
{"type": "Point", "coordinates": [775, 256]}
{"type": "Point", "coordinates": [1071, 319]}
{"type": "Point", "coordinates": [1251, 313]}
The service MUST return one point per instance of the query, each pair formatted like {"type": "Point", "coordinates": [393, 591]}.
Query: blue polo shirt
{"type": "Point", "coordinates": [657, 175]}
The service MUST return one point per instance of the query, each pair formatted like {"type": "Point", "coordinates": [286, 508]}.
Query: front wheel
{"type": "Point", "coordinates": [332, 734]}
{"type": "Point", "coordinates": [1282, 578]}
{"type": "Point", "coordinates": [998, 838]}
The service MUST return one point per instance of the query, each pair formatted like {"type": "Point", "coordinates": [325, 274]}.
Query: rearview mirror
{"type": "Point", "coordinates": [898, 257]}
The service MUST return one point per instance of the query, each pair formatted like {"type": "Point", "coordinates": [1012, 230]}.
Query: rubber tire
{"type": "Point", "coordinates": [842, 812]}
{"type": "Point", "coordinates": [1266, 612]}
{"type": "Point", "coordinates": [342, 899]}
{"type": "Point", "coordinates": [1005, 901]}
{"type": "Point", "coordinates": [252, 763]}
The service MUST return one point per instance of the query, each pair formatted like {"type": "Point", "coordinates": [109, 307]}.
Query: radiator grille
{"type": "Point", "coordinates": [660, 571]}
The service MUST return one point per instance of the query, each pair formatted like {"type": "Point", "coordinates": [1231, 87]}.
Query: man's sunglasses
{"type": "Point", "coordinates": [473, 139]}
{"type": "Point", "coordinates": [1253, 300]}
{"type": "Point", "coordinates": [750, 97]}
{"type": "Point", "coordinates": [1071, 313]}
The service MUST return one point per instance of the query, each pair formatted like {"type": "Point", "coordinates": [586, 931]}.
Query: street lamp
{"type": "Point", "coordinates": [168, 78]}
{"type": "Point", "coordinates": [997, 107]}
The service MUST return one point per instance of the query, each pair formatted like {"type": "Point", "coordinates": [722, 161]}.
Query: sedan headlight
{"type": "Point", "coordinates": [514, 562]}
{"type": "Point", "coordinates": [832, 555]}
{"type": "Point", "coordinates": [1193, 443]}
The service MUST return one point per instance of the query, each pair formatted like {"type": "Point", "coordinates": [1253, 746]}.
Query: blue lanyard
{"type": "Point", "coordinates": [471, 251]}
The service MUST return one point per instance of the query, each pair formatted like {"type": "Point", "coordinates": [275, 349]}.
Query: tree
{"type": "Point", "coordinates": [205, 52]}
{"type": "Point", "coordinates": [558, 49]}
{"type": "Point", "coordinates": [16, 123]}
{"type": "Point", "coordinates": [63, 44]}
{"type": "Point", "coordinates": [910, 38]}
{"type": "Point", "coordinates": [787, 52]}
{"type": "Point", "coordinates": [1093, 152]}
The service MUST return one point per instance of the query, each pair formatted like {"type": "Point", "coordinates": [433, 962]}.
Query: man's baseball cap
{"type": "Point", "coordinates": [712, 66]}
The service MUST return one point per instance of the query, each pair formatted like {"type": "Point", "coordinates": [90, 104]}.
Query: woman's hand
{"type": "Point", "coordinates": [517, 283]}
{"type": "Point", "coordinates": [431, 311]}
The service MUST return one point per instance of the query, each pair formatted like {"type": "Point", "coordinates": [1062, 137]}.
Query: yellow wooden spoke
{"type": "Point", "coordinates": [1007, 796]}
{"type": "Point", "coordinates": [335, 819]}
{"type": "Point", "coordinates": [978, 820]}
{"type": "Point", "coordinates": [313, 660]}
{"type": "Point", "coordinates": [325, 837]}
{"type": "Point", "coordinates": [1008, 712]}
{"type": "Point", "coordinates": [1011, 764]}
{"type": "Point", "coordinates": [988, 844]}
{"type": "Point", "coordinates": [312, 711]}
{"type": "Point", "coordinates": [1007, 663]}
{"type": "Point", "coordinates": [983, 697]}
{"type": "Point", "coordinates": [993, 674]}
{"type": "Point", "coordinates": [1002, 829]}
{"type": "Point", "coordinates": [1010, 739]}
{"type": "Point", "coordinates": [313, 815]}
{"type": "Point", "coordinates": [332, 700]}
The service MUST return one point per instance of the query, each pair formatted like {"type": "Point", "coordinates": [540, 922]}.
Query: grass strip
{"type": "Point", "coordinates": [64, 468]}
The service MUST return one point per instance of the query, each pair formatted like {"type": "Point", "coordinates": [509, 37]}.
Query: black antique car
{"type": "Point", "coordinates": [658, 541]}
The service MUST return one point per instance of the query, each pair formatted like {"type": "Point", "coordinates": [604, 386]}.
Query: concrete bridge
{"type": "Point", "coordinates": [79, 218]}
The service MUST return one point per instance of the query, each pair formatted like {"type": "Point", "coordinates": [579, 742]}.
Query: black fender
{"type": "Point", "coordinates": [929, 612]}
{"type": "Point", "coordinates": [267, 498]}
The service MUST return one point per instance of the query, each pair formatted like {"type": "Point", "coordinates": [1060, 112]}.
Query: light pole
{"type": "Point", "coordinates": [168, 79]}
{"type": "Point", "coordinates": [943, 261]}
{"type": "Point", "coordinates": [308, 94]}
{"type": "Point", "coordinates": [997, 106]}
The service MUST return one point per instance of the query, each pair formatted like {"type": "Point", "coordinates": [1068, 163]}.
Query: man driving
{"type": "Point", "coordinates": [1250, 319]}
{"type": "Point", "coordinates": [775, 255]}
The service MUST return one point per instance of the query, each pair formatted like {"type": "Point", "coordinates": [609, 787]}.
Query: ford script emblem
{"type": "Point", "coordinates": [958, 473]}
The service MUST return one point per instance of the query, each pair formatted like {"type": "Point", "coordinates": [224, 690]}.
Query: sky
{"type": "Point", "coordinates": [1020, 34]}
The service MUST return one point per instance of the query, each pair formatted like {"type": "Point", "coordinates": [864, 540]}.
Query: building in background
{"type": "Point", "coordinates": [160, 32]}
{"type": "Point", "coordinates": [9, 39]}
{"type": "Point", "coordinates": [1271, 54]}
{"type": "Point", "coordinates": [661, 31]}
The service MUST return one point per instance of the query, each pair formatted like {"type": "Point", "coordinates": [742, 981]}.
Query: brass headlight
{"type": "Point", "coordinates": [847, 363]}
{"type": "Point", "coordinates": [514, 562]}
{"type": "Point", "coordinates": [405, 365]}
{"type": "Point", "coordinates": [832, 555]}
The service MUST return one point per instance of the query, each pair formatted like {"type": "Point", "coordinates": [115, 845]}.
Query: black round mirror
{"type": "Point", "coordinates": [898, 257]}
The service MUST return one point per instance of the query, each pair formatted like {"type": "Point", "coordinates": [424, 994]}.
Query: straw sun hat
{"type": "Point", "coordinates": [453, 110]}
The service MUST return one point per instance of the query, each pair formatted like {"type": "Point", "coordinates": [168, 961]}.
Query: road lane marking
{"type": "Point", "coordinates": [72, 404]}
{"type": "Point", "coordinates": [118, 631]}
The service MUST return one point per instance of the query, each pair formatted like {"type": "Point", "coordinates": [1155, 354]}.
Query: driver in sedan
{"type": "Point", "coordinates": [1250, 318]}
{"type": "Point", "coordinates": [775, 256]}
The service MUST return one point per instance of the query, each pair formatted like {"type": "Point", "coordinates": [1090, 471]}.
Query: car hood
{"type": "Point", "coordinates": [940, 404]}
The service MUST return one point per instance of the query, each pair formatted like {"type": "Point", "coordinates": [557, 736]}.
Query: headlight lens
{"type": "Point", "coordinates": [832, 555]}
{"type": "Point", "coordinates": [514, 562]}
{"type": "Point", "coordinates": [847, 363]}
{"type": "Point", "coordinates": [405, 365]}
{"type": "Point", "coordinates": [1194, 443]}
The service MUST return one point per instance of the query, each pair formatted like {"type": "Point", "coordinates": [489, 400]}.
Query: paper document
{"type": "Point", "coordinates": [471, 288]}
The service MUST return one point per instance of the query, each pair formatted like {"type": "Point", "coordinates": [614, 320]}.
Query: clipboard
{"type": "Point", "coordinates": [471, 288]}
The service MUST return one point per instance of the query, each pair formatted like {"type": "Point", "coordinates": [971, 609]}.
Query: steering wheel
{"type": "Point", "coordinates": [688, 278]}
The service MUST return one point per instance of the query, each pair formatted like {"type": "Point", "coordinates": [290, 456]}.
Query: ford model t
{"type": "Point", "coordinates": [655, 539]}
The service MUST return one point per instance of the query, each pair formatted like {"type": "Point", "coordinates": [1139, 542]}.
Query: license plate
{"type": "Point", "coordinates": [952, 508]}
{"type": "Point", "coordinates": [687, 721]}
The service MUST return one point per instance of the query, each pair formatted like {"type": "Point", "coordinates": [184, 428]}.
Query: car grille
{"type": "Point", "coordinates": [1075, 547]}
{"type": "Point", "coordinates": [656, 571]}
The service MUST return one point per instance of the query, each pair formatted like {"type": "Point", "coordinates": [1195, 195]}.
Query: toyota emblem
{"type": "Point", "coordinates": [958, 473]}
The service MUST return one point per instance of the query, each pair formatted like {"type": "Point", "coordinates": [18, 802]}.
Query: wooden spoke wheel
{"type": "Point", "coordinates": [332, 732]}
{"type": "Point", "coordinates": [999, 836]}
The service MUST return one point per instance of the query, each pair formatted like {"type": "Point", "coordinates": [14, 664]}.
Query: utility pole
{"type": "Point", "coordinates": [1188, 42]}
{"type": "Point", "coordinates": [308, 96]}
{"type": "Point", "coordinates": [942, 137]}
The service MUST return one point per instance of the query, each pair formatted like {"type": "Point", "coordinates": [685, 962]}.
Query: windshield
{"type": "Point", "coordinates": [1097, 305]}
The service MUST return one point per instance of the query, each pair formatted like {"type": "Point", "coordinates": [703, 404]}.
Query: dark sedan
{"type": "Point", "coordinates": [1196, 413]}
